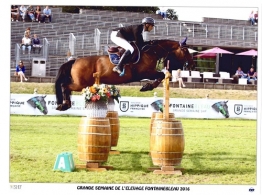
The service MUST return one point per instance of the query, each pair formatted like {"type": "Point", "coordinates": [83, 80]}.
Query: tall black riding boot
{"type": "Point", "coordinates": [124, 59]}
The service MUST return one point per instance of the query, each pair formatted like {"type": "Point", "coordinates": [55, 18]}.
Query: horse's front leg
{"type": "Point", "coordinates": [158, 76]}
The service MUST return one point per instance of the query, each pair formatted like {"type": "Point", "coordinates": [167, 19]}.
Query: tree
{"type": "Point", "coordinates": [171, 14]}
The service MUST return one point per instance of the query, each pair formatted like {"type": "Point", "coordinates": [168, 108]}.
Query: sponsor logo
{"type": "Point", "coordinates": [221, 107]}
{"type": "Point", "coordinates": [238, 109]}
{"type": "Point", "coordinates": [124, 106]}
{"type": "Point", "coordinates": [158, 105]}
{"type": "Point", "coordinates": [39, 103]}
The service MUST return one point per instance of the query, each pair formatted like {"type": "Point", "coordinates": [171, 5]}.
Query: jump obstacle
{"type": "Point", "coordinates": [96, 137]}
{"type": "Point", "coordinates": [166, 138]}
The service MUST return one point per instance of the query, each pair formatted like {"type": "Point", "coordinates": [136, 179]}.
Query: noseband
{"type": "Point", "coordinates": [186, 60]}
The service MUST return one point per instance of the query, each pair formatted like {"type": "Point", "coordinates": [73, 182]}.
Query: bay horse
{"type": "Point", "coordinates": [75, 75]}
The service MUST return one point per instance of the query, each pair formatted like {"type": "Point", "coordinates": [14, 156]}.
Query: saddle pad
{"type": "Point", "coordinates": [114, 58]}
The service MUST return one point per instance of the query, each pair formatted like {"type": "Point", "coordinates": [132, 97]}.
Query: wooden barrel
{"type": "Point", "coordinates": [114, 124]}
{"type": "Point", "coordinates": [159, 116]}
{"type": "Point", "coordinates": [94, 139]}
{"type": "Point", "coordinates": [167, 143]}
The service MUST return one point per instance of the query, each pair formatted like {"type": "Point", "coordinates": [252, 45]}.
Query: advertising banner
{"type": "Point", "coordinates": [37, 104]}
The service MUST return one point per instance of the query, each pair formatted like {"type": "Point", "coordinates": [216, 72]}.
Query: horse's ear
{"type": "Point", "coordinates": [184, 41]}
{"type": "Point", "coordinates": [44, 96]}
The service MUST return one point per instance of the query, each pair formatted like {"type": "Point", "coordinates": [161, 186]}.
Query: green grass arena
{"type": "Point", "coordinates": [216, 152]}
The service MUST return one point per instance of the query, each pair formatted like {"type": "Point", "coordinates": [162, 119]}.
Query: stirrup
{"type": "Point", "coordinates": [122, 73]}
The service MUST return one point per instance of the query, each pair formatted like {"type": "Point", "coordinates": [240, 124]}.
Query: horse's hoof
{"type": "Point", "coordinates": [59, 107]}
{"type": "Point", "coordinates": [65, 107]}
{"type": "Point", "coordinates": [147, 87]}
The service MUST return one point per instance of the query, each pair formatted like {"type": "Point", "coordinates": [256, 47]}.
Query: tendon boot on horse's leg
{"type": "Point", "coordinates": [119, 68]}
{"type": "Point", "coordinates": [59, 107]}
{"type": "Point", "coordinates": [150, 86]}
{"type": "Point", "coordinates": [156, 83]}
{"type": "Point", "coordinates": [147, 87]}
{"type": "Point", "coordinates": [66, 105]}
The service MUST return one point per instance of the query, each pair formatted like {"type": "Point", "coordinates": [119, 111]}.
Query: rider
{"type": "Point", "coordinates": [123, 35]}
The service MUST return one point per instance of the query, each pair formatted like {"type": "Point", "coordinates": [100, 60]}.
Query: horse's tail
{"type": "Point", "coordinates": [63, 77]}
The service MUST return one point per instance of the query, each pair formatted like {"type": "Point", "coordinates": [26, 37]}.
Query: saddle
{"type": "Point", "coordinates": [115, 53]}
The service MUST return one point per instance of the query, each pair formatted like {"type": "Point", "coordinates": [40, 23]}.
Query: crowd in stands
{"type": "Point", "coordinates": [34, 14]}
{"type": "Point", "coordinates": [30, 43]}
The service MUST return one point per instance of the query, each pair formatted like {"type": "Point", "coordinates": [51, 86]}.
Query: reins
{"type": "Point", "coordinates": [167, 52]}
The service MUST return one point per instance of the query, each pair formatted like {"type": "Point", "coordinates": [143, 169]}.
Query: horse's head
{"type": "Point", "coordinates": [184, 54]}
{"type": "Point", "coordinates": [39, 103]}
{"type": "Point", "coordinates": [164, 48]}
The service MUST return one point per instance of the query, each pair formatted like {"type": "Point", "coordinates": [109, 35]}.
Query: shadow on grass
{"type": "Point", "coordinates": [219, 162]}
{"type": "Point", "coordinates": [194, 163]}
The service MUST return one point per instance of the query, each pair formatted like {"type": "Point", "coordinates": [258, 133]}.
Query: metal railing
{"type": "Point", "coordinates": [45, 48]}
{"type": "Point", "coordinates": [72, 43]}
{"type": "Point", "coordinates": [97, 38]}
{"type": "Point", "coordinates": [17, 53]}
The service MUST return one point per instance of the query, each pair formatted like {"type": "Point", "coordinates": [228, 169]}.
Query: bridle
{"type": "Point", "coordinates": [186, 60]}
{"type": "Point", "coordinates": [167, 53]}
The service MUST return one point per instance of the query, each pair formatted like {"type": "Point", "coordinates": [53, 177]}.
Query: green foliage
{"type": "Point", "coordinates": [206, 65]}
{"type": "Point", "coordinates": [171, 14]}
{"type": "Point", "coordinates": [216, 152]}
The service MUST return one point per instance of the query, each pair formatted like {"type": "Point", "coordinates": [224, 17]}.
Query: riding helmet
{"type": "Point", "coordinates": [148, 20]}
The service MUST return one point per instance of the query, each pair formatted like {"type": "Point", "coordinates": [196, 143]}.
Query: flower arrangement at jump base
{"type": "Point", "coordinates": [114, 92]}
{"type": "Point", "coordinates": [99, 99]}
{"type": "Point", "coordinates": [96, 98]}
{"type": "Point", "coordinates": [96, 93]}
{"type": "Point", "coordinates": [114, 95]}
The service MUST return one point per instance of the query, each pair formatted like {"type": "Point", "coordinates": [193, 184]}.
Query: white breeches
{"type": "Point", "coordinates": [121, 42]}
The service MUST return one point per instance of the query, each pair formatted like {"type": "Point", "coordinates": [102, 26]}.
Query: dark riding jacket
{"type": "Point", "coordinates": [132, 33]}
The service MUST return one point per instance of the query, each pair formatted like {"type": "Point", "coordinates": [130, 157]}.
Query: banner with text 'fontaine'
{"type": "Point", "coordinates": [37, 104]}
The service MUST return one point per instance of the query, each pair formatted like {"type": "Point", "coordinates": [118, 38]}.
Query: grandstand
{"type": "Point", "coordinates": [88, 33]}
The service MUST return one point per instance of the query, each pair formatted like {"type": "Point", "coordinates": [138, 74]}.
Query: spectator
{"type": "Point", "coordinates": [23, 12]}
{"type": "Point", "coordinates": [26, 43]}
{"type": "Point", "coordinates": [251, 75]}
{"type": "Point", "coordinates": [31, 12]}
{"type": "Point", "coordinates": [163, 13]}
{"type": "Point", "coordinates": [46, 14]}
{"type": "Point", "coordinates": [38, 13]}
{"type": "Point", "coordinates": [239, 72]}
{"type": "Point", "coordinates": [20, 71]}
{"type": "Point", "coordinates": [251, 18]}
{"type": "Point", "coordinates": [179, 78]}
{"type": "Point", "coordinates": [28, 32]}
{"type": "Point", "coordinates": [256, 17]}
{"type": "Point", "coordinates": [69, 56]}
{"type": "Point", "coordinates": [14, 13]}
{"type": "Point", "coordinates": [36, 43]}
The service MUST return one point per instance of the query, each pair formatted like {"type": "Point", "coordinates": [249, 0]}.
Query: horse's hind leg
{"type": "Point", "coordinates": [66, 100]}
{"type": "Point", "coordinates": [66, 103]}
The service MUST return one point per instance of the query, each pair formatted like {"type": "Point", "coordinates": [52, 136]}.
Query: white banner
{"type": "Point", "coordinates": [31, 104]}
